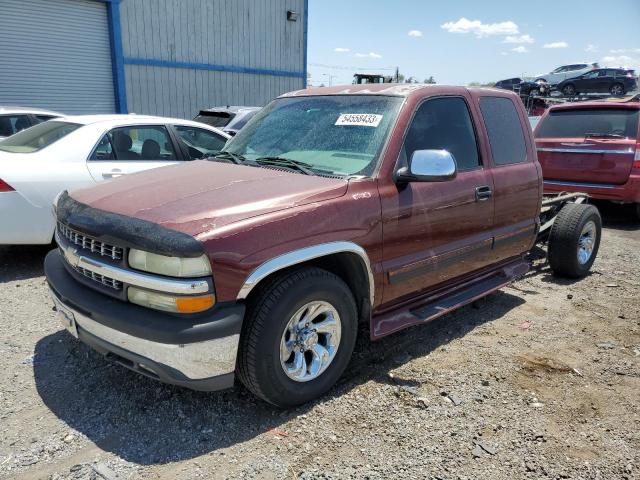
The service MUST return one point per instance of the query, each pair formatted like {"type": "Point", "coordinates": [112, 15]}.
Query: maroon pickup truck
{"type": "Point", "coordinates": [385, 204]}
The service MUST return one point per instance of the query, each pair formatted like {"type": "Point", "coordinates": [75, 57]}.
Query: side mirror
{"type": "Point", "coordinates": [428, 166]}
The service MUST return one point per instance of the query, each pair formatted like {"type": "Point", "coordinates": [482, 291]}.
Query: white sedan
{"type": "Point", "coordinates": [78, 151]}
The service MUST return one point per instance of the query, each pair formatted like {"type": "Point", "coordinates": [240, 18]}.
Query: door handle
{"type": "Point", "coordinates": [116, 172]}
{"type": "Point", "coordinates": [483, 193]}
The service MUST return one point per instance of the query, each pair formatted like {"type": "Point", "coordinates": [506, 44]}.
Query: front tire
{"type": "Point", "coordinates": [298, 337]}
{"type": "Point", "coordinates": [574, 240]}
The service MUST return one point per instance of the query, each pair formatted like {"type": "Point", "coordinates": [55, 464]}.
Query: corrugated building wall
{"type": "Point", "coordinates": [184, 55]}
{"type": "Point", "coordinates": [55, 54]}
{"type": "Point", "coordinates": [161, 57]}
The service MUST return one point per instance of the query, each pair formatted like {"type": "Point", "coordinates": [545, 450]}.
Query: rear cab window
{"type": "Point", "coordinates": [504, 129]}
{"type": "Point", "coordinates": [585, 122]}
{"type": "Point", "coordinates": [38, 137]}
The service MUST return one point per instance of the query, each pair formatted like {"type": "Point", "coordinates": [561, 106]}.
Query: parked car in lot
{"type": "Point", "coordinates": [523, 87]}
{"type": "Point", "coordinates": [385, 204]}
{"type": "Point", "coordinates": [75, 151]}
{"type": "Point", "coordinates": [616, 81]}
{"type": "Point", "coordinates": [566, 71]}
{"type": "Point", "coordinates": [592, 147]}
{"type": "Point", "coordinates": [16, 119]}
{"type": "Point", "coordinates": [230, 119]}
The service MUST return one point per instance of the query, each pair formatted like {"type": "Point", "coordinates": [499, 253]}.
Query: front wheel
{"type": "Point", "coordinates": [298, 337]}
{"type": "Point", "coordinates": [574, 240]}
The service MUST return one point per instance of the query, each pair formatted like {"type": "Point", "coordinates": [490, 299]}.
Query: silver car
{"type": "Point", "coordinates": [566, 71]}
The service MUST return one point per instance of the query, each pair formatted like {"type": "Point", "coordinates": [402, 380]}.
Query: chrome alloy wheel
{"type": "Point", "coordinates": [310, 341]}
{"type": "Point", "coordinates": [586, 242]}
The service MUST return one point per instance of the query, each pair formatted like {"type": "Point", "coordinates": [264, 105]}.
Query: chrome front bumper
{"type": "Point", "coordinates": [199, 353]}
{"type": "Point", "coordinates": [194, 361]}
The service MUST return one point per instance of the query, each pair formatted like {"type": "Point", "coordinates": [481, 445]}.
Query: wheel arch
{"type": "Point", "coordinates": [347, 260]}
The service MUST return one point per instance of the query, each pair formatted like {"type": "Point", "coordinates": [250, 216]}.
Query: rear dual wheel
{"type": "Point", "coordinates": [298, 337]}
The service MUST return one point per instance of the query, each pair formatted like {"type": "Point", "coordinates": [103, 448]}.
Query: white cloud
{"type": "Point", "coordinates": [621, 61]}
{"type": "Point", "coordinates": [504, 53]}
{"type": "Point", "coordinates": [625, 50]}
{"type": "Point", "coordinates": [591, 48]}
{"type": "Point", "coordinates": [556, 45]}
{"type": "Point", "coordinates": [520, 49]}
{"type": "Point", "coordinates": [518, 39]}
{"type": "Point", "coordinates": [368, 55]}
{"type": "Point", "coordinates": [414, 33]}
{"type": "Point", "coordinates": [341, 50]}
{"type": "Point", "coordinates": [480, 29]}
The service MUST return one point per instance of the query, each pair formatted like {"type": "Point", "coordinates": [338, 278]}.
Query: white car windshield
{"type": "Point", "coordinates": [330, 134]}
{"type": "Point", "coordinates": [37, 137]}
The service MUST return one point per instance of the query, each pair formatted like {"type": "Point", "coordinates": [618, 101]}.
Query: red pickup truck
{"type": "Point", "coordinates": [385, 204]}
{"type": "Point", "coordinates": [592, 147]}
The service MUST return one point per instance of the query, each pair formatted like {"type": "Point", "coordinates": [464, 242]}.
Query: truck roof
{"type": "Point", "coordinates": [390, 89]}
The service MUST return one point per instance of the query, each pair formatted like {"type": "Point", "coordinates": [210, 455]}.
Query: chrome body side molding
{"type": "Point", "coordinates": [585, 150]}
{"type": "Point", "coordinates": [304, 254]}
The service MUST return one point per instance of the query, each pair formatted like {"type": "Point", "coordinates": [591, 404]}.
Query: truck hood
{"type": "Point", "coordinates": [202, 196]}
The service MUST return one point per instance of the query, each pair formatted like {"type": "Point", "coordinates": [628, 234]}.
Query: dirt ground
{"type": "Point", "coordinates": [539, 380]}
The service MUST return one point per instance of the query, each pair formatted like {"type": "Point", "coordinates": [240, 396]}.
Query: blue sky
{"type": "Point", "coordinates": [461, 41]}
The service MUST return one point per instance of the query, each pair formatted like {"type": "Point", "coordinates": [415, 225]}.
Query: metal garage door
{"type": "Point", "coordinates": [56, 54]}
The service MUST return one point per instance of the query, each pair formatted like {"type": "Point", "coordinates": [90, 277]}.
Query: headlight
{"type": "Point", "coordinates": [169, 266]}
{"type": "Point", "coordinates": [170, 303]}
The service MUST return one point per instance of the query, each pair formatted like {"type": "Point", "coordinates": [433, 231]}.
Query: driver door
{"type": "Point", "coordinates": [125, 150]}
{"type": "Point", "coordinates": [434, 232]}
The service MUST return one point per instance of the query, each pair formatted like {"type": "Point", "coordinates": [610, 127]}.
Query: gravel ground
{"type": "Point", "coordinates": [539, 380]}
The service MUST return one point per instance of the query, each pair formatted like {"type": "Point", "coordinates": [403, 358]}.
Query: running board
{"type": "Point", "coordinates": [436, 305]}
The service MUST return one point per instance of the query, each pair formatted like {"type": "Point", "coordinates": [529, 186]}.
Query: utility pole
{"type": "Point", "coordinates": [397, 74]}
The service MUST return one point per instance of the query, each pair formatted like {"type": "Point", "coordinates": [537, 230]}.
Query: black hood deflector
{"type": "Point", "coordinates": [125, 231]}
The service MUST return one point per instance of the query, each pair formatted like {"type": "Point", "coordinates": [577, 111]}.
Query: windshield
{"type": "Point", "coordinates": [339, 134]}
{"type": "Point", "coordinates": [37, 137]}
{"type": "Point", "coordinates": [589, 121]}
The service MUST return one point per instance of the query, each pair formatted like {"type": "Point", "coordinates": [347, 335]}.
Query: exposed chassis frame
{"type": "Point", "coordinates": [551, 205]}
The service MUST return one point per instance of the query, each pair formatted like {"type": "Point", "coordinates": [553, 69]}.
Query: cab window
{"type": "Point", "coordinates": [504, 129]}
{"type": "Point", "coordinates": [443, 124]}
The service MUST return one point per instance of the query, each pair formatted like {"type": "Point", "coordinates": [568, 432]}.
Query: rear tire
{"type": "Point", "coordinates": [262, 365]}
{"type": "Point", "coordinates": [617, 90]}
{"type": "Point", "coordinates": [574, 240]}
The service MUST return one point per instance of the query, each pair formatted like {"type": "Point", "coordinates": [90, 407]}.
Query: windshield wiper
{"type": "Point", "coordinates": [303, 167]}
{"type": "Point", "coordinates": [224, 155]}
{"type": "Point", "coordinates": [603, 135]}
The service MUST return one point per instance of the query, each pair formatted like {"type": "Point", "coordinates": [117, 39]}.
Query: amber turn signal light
{"type": "Point", "coordinates": [194, 304]}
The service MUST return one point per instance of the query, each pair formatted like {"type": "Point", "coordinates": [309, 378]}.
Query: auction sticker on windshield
{"type": "Point", "coordinates": [362, 119]}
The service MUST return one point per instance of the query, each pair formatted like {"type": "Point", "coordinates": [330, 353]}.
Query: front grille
{"type": "Point", "coordinates": [90, 244]}
{"type": "Point", "coordinates": [106, 281]}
